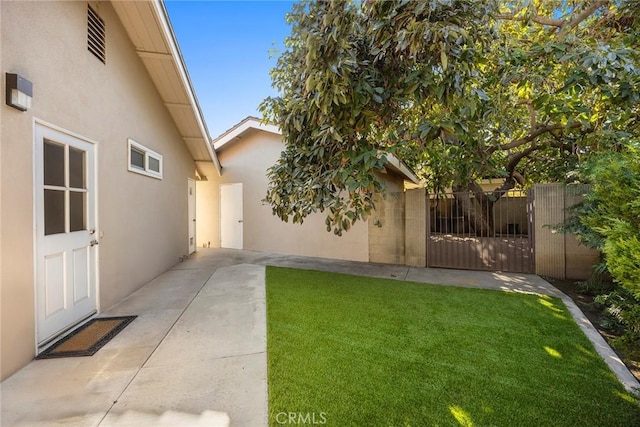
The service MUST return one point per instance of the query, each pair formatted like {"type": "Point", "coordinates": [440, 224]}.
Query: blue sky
{"type": "Point", "coordinates": [226, 46]}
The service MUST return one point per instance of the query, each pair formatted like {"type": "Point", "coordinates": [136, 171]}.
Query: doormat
{"type": "Point", "coordinates": [88, 338]}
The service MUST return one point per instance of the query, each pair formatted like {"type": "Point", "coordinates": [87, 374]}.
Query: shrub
{"type": "Point", "coordinates": [609, 217]}
{"type": "Point", "coordinates": [623, 315]}
{"type": "Point", "coordinates": [599, 283]}
{"type": "Point", "coordinates": [609, 220]}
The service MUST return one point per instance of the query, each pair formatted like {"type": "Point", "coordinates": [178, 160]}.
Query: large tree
{"type": "Point", "coordinates": [460, 89]}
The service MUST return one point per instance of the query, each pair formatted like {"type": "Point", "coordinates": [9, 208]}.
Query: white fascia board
{"type": "Point", "coordinates": [241, 128]}
{"type": "Point", "coordinates": [162, 16]}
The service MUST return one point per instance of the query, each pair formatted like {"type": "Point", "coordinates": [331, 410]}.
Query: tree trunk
{"type": "Point", "coordinates": [477, 209]}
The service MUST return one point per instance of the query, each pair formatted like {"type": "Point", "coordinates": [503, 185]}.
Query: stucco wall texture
{"type": "Point", "coordinates": [246, 161]}
{"type": "Point", "coordinates": [142, 221]}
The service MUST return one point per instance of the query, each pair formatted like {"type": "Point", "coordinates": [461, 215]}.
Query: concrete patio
{"type": "Point", "coordinates": [196, 354]}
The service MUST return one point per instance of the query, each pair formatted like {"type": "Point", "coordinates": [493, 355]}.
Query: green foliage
{"type": "Point", "coordinates": [622, 251]}
{"type": "Point", "coordinates": [609, 217]}
{"type": "Point", "coordinates": [623, 309]}
{"type": "Point", "coordinates": [525, 90]}
{"type": "Point", "coordinates": [599, 283]}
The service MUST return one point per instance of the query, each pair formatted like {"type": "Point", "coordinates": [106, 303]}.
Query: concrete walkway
{"type": "Point", "coordinates": [196, 354]}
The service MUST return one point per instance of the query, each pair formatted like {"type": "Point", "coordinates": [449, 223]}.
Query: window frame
{"type": "Point", "coordinates": [148, 153]}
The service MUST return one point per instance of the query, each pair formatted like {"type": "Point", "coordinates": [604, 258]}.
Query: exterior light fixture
{"type": "Point", "coordinates": [19, 92]}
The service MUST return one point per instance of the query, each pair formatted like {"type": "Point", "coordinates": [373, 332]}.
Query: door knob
{"type": "Point", "coordinates": [240, 220]}
{"type": "Point", "coordinates": [93, 243]}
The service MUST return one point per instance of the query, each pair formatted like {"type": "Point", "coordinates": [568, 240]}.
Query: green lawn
{"type": "Point", "coordinates": [356, 351]}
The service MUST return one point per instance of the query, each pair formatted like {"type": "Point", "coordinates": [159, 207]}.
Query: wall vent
{"type": "Point", "coordinates": [96, 35]}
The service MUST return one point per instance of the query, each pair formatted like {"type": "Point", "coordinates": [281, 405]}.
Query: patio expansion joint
{"type": "Point", "coordinates": [142, 366]}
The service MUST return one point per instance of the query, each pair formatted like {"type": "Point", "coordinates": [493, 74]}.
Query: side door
{"type": "Point", "coordinates": [65, 214]}
{"type": "Point", "coordinates": [231, 216]}
{"type": "Point", "coordinates": [191, 200]}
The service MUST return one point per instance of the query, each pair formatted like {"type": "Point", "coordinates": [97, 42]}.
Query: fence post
{"type": "Point", "coordinates": [549, 244]}
{"type": "Point", "coordinates": [415, 228]}
{"type": "Point", "coordinates": [559, 255]}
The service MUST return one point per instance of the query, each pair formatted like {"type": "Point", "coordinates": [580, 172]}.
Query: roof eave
{"type": "Point", "coordinates": [184, 74]}
{"type": "Point", "coordinates": [401, 168]}
{"type": "Point", "coordinates": [149, 28]}
{"type": "Point", "coordinates": [240, 129]}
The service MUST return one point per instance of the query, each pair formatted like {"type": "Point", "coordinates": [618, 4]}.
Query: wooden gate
{"type": "Point", "coordinates": [503, 243]}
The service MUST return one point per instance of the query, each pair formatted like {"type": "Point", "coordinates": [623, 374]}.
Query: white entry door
{"type": "Point", "coordinates": [66, 253]}
{"type": "Point", "coordinates": [231, 216]}
{"type": "Point", "coordinates": [191, 200]}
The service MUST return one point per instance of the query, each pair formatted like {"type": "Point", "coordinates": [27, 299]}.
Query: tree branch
{"type": "Point", "coordinates": [517, 176]}
{"type": "Point", "coordinates": [532, 136]}
{"type": "Point", "coordinates": [532, 112]}
{"type": "Point", "coordinates": [514, 159]}
{"type": "Point", "coordinates": [543, 20]}
{"type": "Point", "coordinates": [564, 25]}
{"type": "Point", "coordinates": [525, 140]}
{"type": "Point", "coordinates": [583, 15]}
{"type": "Point", "coordinates": [507, 185]}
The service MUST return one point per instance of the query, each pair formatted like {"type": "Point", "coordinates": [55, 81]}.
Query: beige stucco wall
{"type": "Point", "coordinates": [416, 227]}
{"type": "Point", "coordinates": [387, 223]}
{"type": "Point", "coordinates": [559, 255]}
{"type": "Point", "coordinates": [207, 207]}
{"type": "Point", "coordinates": [246, 161]}
{"type": "Point", "coordinates": [143, 221]}
{"type": "Point", "coordinates": [1, 192]}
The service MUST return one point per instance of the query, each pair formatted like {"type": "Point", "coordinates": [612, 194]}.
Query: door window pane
{"type": "Point", "coordinates": [53, 212]}
{"type": "Point", "coordinates": [53, 164]}
{"type": "Point", "coordinates": [76, 168]}
{"type": "Point", "coordinates": [77, 211]}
